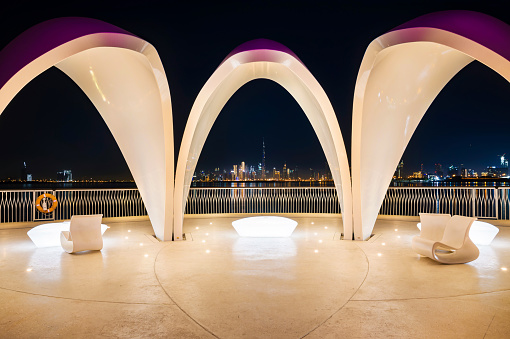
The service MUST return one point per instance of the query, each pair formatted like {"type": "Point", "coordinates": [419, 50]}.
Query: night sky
{"type": "Point", "coordinates": [52, 125]}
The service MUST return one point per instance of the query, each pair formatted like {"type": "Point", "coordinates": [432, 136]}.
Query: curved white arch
{"type": "Point", "coordinates": [401, 74]}
{"type": "Point", "coordinates": [269, 60]}
{"type": "Point", "coordinates": [124, 78]}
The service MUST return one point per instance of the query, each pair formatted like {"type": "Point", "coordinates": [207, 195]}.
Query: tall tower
{"type": "Point", "coordinates": [24, 171]}
{"type": "Point", "coordinates": [242, 172]}
{"type": "Point", "coordinates": [263, 160]}
{"type": "Point", "coordinates": [504, 161]}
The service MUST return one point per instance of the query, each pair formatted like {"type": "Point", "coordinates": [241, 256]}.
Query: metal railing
{"type": "Point", "coordinates": [19, 205]}
{"type": "Point", "coordinates": [262, 200]}
{"type": "Point", "coordinates": [467, 201]}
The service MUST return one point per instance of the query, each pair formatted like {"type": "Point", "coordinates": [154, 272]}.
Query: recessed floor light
{"type": "Point", "coordinates": [207, 234]}
{"type": "Point", "coordinates": [146, 255]}
{"type": "Point", "coordinates": [29, 269]}
{"type": "Point", "coordinates": [129, 231]}
{"type": "Point", "coordinates": [504, 269]}
{"type": "Point", "coordinates": [396, 229]}
{"type": "Point", "coordinates": [197, 228]}
{"type": "Point", "coordinates": [379, 254]}
{"type": "Point", "coordinates": [203, 240]}
{"type": "Point", "coordinates": [207, 251]}
{"type": "Point", "coordinates": [325, 227]}
{"type": "Point", "coordinates": [126, 238]}
{"type": "Point", "coordinates": [210, 223]}
{"type": "Point", "coordinates": [312, 222]}
{"type": "Point", "coordinates": [316, 251]}
{"type": "Point", "coordinates": [141, 244]}
{"type": "Point", "coordinates": [320, 241]}
{"type": "Point", "coordinates": [384, 244]}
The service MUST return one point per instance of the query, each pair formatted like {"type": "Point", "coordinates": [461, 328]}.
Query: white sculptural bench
{"type": "Point", "coordinates": [48, 235]}
{"type": "Point", "coordinates": [445, 239]}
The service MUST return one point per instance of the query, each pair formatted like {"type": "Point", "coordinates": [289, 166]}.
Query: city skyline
{"type": "Point", "coordinates": [52, 125]}
{"type": "Point", "coordinates": [306, 172]}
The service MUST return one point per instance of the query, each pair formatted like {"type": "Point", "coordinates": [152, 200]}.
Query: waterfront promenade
{"type": "Point", "coordinates": [216, 284]}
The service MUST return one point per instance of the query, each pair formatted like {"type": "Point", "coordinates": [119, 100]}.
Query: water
{"type": "Point", "coordinates": [453, 183]}
{"type": "Point", "coordinates": [36, 185]}
{"type": "Point", "coordinates": [328, 183]}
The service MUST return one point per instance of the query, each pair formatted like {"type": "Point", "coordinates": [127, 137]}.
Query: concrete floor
{"type": "Point", "coordinates": [216, 284]}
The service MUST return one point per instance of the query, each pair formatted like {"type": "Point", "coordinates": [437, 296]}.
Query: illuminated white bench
{"type": "Point", "coordinates": [265, 227]}
{"type": "Point", "coordinates": [48, 235]}
{"type": "Point", "coordinates": [455, 246]}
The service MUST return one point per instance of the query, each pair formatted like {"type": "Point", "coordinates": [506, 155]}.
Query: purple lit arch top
{"type": "Point", "coordinates": [262, 59]}
{"type": "Point", "coordinates": [261, 44]}
{"type": "Point", "coordinates": [402, 72]}
{"type": "Point", "coordinates": [124, 78]}
{"type": "Point", "coordinates": [46, 36]}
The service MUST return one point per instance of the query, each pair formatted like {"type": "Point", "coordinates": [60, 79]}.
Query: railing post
{"type": "Point", "coordinates": [473, 202]}
{"type": "Point", "coordinates": [496, 201]}
{"type": "Point", "coordinates": [33, 205]}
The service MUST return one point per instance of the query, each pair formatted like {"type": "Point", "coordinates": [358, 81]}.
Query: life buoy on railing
{"type": "Point", "coordinates": [43, 207]}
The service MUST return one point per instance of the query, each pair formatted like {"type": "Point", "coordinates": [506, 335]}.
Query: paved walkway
{"type": "Point", "coordinates": [216, 284]}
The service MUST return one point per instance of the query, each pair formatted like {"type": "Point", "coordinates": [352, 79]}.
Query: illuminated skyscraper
{"type": "Point", "coordinates": [504, 161]}
{"type": "Point", "coordinates": [24, 171]}
{"type": "Point", "coordinates": [398, 171]}
{"type": "Point", "coordinates": [284, 172]}
{"type": "Point", "coordinates": [242, 172]}
{"type": "Point", "coordinates": [263, 160]}
{"type": "Point", "coordinates": [65, 175]}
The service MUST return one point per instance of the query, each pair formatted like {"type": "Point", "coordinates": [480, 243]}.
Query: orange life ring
{"type": "Point", "coordinates": [48, 210]}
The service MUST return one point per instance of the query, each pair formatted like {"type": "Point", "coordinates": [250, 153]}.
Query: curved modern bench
{"type": "Point", "coordinates": [454, 246]}
{"type": "Point", "coordinates": [84, 234]}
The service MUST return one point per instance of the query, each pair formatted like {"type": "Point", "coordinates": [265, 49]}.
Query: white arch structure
{"type": "Point", "coordinates": [124, 78]}
{"type": "Point", "coordinates": [268, 60]}
{"type": "Point", "coordinates": [401, 74]}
